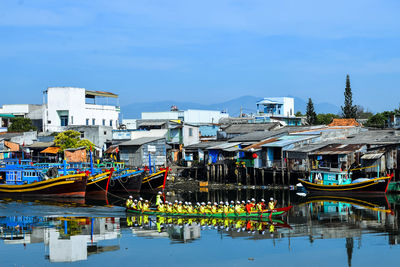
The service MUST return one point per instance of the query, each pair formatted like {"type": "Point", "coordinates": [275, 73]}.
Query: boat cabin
{"type": "Point", "coordinates": [17, 175]}
{"type": "Point", "coordinates": [329, 177]}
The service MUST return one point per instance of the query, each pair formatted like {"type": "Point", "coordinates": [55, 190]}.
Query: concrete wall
{"type": "Point", "coordinates": [190, 139]}
{"type": "Point", "coordinates": [195, 116]}
{"type": "Point", "coordinates": [164, 115]}
{"type": "Point", "coordinates": [131, 124]}
{"type": "Point", "coordinates": [98, 135]}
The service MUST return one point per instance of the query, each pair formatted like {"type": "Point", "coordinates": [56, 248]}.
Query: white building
{"type": "Point", "coordinates": [277, 109]}
{"type": "Point", "coordinates": [192, 116]}
{"type": "Point", "coordinates": [33, 112]}
{"type": "Point", "coordinates": [276, 106]}
{"type": "Point", "coordinates": [66, 106]}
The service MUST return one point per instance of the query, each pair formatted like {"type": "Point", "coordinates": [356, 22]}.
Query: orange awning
{"type": "Point", "coordinates": [51, 150]}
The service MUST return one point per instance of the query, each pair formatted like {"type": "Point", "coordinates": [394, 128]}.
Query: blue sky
{"type": "Point", "coordinates": [202, 51]}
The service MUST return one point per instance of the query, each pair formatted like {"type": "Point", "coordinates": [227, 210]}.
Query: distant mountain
{"type": "Point", "coordinates": [233, 106]}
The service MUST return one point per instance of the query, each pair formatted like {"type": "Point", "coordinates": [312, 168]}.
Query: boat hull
{"type": "Point", "coordinates": [155, 181]}
{"type": "Point", "coordinates": [373, 186]}
{"type": "Point", "coordinates": [63, 186]}
{"type": "Point", "coordinates": [98, 185]}
{"type": "Point", "coordinates": [255, 214]}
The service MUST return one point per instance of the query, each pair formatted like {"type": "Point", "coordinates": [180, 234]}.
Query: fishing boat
{"type": "Point", "coordinates": [124, 181]}
{"type": "Point", "coordinates": [359, 186]}
{"type": "Point", "coordinates": [17, 180]}
{"type": "Point", "coordinates": [327, 182]}
{"type": "Point", "coordinates": [253, 214]}
{"type": "Point", "coordinates": [155, 181]}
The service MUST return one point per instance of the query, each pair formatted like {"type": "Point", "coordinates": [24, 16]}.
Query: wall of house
{"type": "Point", "coordinates": [158, 158]}
{"type": "Point", "coordinates": [98, 135]}
{"type": "Point", "coordinates": [195, 116]}
{"type": "Point", "coordinates": [70, 101]}
{"type": "Point", "coordinates": [191, 135]}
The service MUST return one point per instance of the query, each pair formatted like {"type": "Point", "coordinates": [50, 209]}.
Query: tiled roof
{"type": "Point", "coordinates": [344, 122]}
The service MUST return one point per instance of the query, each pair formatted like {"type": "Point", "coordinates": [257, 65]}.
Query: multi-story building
{"type": "Point", "coordinates": [277, 109]}
{"type": "Point", "coordinates": [66, 106]}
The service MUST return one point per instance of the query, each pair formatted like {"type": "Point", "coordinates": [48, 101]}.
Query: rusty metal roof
{"type": "Point", "coordinates": [337, 149]}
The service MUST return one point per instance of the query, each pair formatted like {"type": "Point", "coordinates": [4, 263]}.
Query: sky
{"type": "Point", "coordinates": [206, 51]}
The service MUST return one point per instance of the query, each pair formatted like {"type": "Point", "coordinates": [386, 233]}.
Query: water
{"type": "Point", "coordinates": [316, 232]}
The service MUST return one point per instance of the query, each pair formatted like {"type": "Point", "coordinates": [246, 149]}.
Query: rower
{"type": "Point", "coordinates": [197, 207]}
{"type": "Point", "coordinates": [248, 206]}
{"type": "Point", "coordinates": [140, 204]}
{"type": "Point", "coordinates": [272, 203]}
{"type": "Point", "coordinates": [170, 208]}
{"type": "Point", "coordinates": [226, 208]}
{"type": "Point", "coordinates": [232, 206]}
{"type": "Point", "coordinates": [161, 206]}
{"type": "Point", "coordinates": [208, 207]}
{"type": "Point", "coordinates": [238, 207]}
{"type": "Point", "coordinates": [202, 208]}
{"type": "Point", "coordinates": [214, 208]}
{"type": "Point", "coordinates": [253, 204]}
{"type": "Point", "coordinates": [158, 198]}
{"type": "Point", "coordinates": [146, 205]}
{"type": "Point", "coordinates": [220, 207]}
{"type": "Point", "coordinates": [179, 207]}
{"type": "Point", "coordinates": [189, 208]}
{"type": "Point", "coordinates": [129, 202]}
{"type": "Point", "coordinates": [260, 205]}
{"type": "Point", "coordinates": [134, 204]}
{"type": "Point", "coordinates": [175, 205]}
{"type": "Point", "coordinates": [243, 205]}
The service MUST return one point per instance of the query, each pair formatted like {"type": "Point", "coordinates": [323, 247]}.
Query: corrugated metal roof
{"type": "Point", "coordinates": [338, 149]}
{"type": "Point", "coordinates": [288, 140]}
{"type": "Point", "coordinates": [140, 141]}
{"type": "Point", "coordinates": [224, 146]}
{"type": "Point", "coordinates": [249, 127]}
{"type": "Point", "coordinates": [372, 156]}
{"type": "Point", "coordinates": [152, 123]}
{"type": "Point", "coordinates": [307, 148]}
{"type": "Point", "coordinates": [41, 144]}
{"type": "Point", "coordinates": [100, 93]}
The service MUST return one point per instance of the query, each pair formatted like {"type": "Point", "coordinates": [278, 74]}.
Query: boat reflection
{"type": "Point", "coordinates": [184, 230]}
{"type": "Point", "coordinates": [68, 239]}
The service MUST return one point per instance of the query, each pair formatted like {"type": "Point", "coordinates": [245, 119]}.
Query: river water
{"type": "Point", "coordinates": [317, 231]}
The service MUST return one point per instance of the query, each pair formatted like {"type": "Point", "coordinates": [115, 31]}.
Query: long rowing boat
{"type": "Point", "coordinates": [253, 214]}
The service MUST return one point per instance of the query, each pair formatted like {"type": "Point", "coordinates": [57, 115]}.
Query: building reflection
{"type": "Point", "coordinates": [66, 239]}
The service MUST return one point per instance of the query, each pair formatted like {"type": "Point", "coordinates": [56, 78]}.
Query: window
{"type": "Point", "coordinates": [87, 121]}
{"type": "Point", "coordinates": [82, 134]}
{"type": "Point", "coordinates": [105, 133]}
{"type": "Point", "coordinates": [93, 121]}
{"type": "Point", "coordinates": [111, 123]}
{"type": "Point", "coordinates": [190, 132]}
{"type": "Point", "coordinates": [104, 122]}
{"type": "Point", "coordinates": [64, 120]}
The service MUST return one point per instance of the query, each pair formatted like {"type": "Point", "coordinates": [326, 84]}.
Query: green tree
{"type": "Point", "coordinates": [378, 120]}
{"type": "Point", "coordinates": [298, 114]}
{"type": "Point", "coordinates": [349, 111]}
{"type": "Point", "coordinates": [21, 125]}
{"type": "Point", "coordinates": [310, 113]}
{"type": "Point", "coordinates": [326, 118]}
{"type": "Point", "coordinates": [71, 139]}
